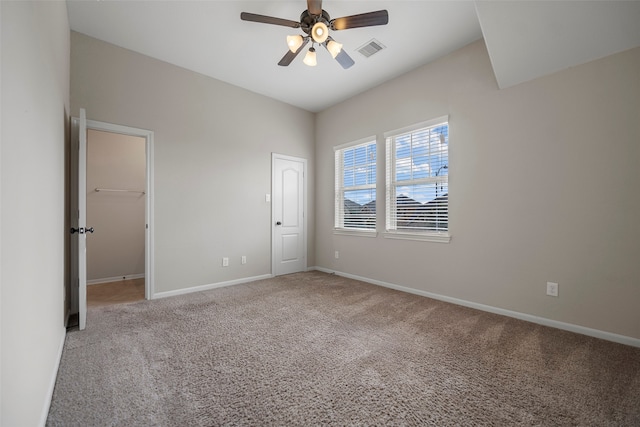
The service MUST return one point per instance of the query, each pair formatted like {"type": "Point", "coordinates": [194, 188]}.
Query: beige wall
{"type": "Point", "coordinates": [212, 164]}
{"type": "Point", "coordinates": [34, 117]}
{"type": "Point", "coordinates": [543, 182]}
{"type": "Point", "coordinates": [116, 247]}
{"type": "Point", "coordinates": [542, 178]}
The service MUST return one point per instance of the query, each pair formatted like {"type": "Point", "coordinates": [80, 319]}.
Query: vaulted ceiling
{"type": "Point", "coordinates": [525, 39]}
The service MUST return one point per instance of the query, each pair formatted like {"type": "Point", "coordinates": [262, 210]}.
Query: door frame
{"type": "Point", "coordinates": [274, 157]}
{"type": "Point", "coordinates": [149, 283]}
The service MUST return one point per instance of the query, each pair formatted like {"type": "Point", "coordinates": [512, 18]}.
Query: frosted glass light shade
{"type": "Point", "coordinates": [310, 58]}
{"type": "Point", "coordinates": [294, 43]}
{"type": "Point", "coordinates": [334, 48]}
{"type": "Point", "coordinates": [319, 32]}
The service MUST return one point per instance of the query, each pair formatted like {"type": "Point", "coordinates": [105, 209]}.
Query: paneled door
{"type": "Point", "coordinates": [289, 240]}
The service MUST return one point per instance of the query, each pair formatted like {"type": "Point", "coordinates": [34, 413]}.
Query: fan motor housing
{"type": "Point", "coordinates": [307, 20]}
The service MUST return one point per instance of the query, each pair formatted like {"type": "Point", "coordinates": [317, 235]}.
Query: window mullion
{"type": "Point", "coordinates": [428, 180]}
{"type": "Point", "coordinates": [359, 187]}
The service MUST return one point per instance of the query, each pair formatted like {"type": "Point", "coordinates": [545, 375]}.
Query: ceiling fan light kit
{"type": "Point", "coordinates": [294, 42]}
{"type": "Point", "coordinates": [310, 58]}
{"type": "Point", "coordinates": [316, 22]}
{"type": "Point", "coordinates": [319, 32]}
{"type": "Point", "coordinates": [334, 48]}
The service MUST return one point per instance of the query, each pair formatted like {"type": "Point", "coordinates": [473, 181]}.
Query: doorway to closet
{"type": "Point", "coordinates": [116, 197]}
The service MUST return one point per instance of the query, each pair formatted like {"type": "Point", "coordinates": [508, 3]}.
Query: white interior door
{"type": "Point", "coordinates": [289, 242]}
{"type": "Point", "coordinates": [78, 199]}
{"type": "Point", "coordinates": [79, 217]}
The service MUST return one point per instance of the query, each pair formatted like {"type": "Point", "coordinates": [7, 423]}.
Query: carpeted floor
{"type": "Point", "coordinates": [318, 349]}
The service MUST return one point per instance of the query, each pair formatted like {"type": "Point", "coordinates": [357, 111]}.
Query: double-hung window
{"type": "Point", "coordinates": [355, 187]}
{"type": "Point", "coordinates": [417, 181]}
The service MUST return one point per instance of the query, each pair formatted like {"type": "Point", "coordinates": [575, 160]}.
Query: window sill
{"type": "Point", "coordinates": [426, 237]}
{"type": "Point", "coordinates": [359, 233]}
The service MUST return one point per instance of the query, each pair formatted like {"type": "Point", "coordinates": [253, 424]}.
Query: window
{"type": "Point", "coordinates": [355, 187]}
{"type": "Point", "coordinates": [417, 189]}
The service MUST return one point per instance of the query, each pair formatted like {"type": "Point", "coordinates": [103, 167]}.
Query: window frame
{"type": "Point", "coordinates": [339, 188]}
{"type": "Point", "coordinates": [391, 185]}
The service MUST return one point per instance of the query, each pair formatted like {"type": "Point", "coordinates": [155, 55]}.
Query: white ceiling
{"type": "Point", "coordinates": [529, 39]}
{"type": "Point", "coordinates": [525, 39]}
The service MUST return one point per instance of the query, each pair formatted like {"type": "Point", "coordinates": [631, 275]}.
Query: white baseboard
{"type": "Point", "coordinates": [52, 381]}
{"type": "Point", "coordinates": [210, 286]}
{"type": "Point", "coordinates": [596, 333]}
{"type": "Point", "coordinates": [115, 279]}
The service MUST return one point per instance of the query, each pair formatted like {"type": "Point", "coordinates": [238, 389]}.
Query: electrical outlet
{"type": "Point", "coordinates": [552, 289]}
{"type": "Point", "coordinates": [337, 254]}
{"type": "Point", "coordinates": [225, 262]}
{"type": "Point", "coordinates": [244, 259]}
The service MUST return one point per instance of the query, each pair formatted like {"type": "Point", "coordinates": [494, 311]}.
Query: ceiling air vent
{"type": "Point", "coordinates": [371, 48]}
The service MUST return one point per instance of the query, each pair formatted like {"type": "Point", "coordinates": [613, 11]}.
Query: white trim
{"type": "Point", "coordinates": [149, 258]}
{"type": "Point", "coordinates": [52, 381]}
{"type": "Point", "coordinates": [416, 126]}
{"type": "Point", "coordinates": [355, 232]}
{"type": "Point", "coordinates": [361, 141]}
{"type": "Point", "coordinates": [115, 279]}
{"type": "Point", "coordinates": [210, 286]}
{"type": "Point", "coordinates": [424, 237]}
{"type": "Point", "coordinates": [596, 333]}
{"type": "Point", "coordinates": [149, 263]}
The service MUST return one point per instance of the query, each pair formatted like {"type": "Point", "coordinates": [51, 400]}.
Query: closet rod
{"type": "Point", "coordinates": [119, 191]}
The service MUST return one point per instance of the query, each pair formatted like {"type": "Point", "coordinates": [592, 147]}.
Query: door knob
{"type": "Point", "coordinates": [81, 230]}
{"type": "Point", "coordinates": [278, 223]}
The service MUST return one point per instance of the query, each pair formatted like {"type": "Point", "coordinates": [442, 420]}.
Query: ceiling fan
{"type": "Point", "coordinates": [316, 22]}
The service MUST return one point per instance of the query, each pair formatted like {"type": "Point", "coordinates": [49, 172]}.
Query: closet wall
{"type": "Point", "coordinates": [116, 247]}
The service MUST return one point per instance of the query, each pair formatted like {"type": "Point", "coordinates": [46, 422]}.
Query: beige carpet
{"type": "Point", "coordinates": [317, 349]}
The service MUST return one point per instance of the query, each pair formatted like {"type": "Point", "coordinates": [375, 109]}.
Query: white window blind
{"type": "Point", "coordinates": [355, 186]}
{"type": "Point", "coordinates": [417, 180]}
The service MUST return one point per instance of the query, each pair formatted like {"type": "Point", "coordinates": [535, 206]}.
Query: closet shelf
{"type": "Point", "coordinates": [116, 190]}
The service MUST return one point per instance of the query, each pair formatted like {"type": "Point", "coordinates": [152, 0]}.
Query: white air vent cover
{"type": "Point", "coordinates": [371, 48]}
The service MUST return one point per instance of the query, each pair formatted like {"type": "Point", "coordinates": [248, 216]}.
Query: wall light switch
{"type": "Point", "coordinates": [267, 198]}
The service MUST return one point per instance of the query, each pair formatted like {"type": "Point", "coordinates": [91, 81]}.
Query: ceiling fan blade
{"type": "Point", "coordinates": [290, 56]}
{"type": "Point", "coordinates": [342, 57]}
{"type": "Point", "coordinates": [369, 19]}
{"type": "Point", "coordinates": [314, 7]}
{"type": "Point", "coordinates": [246, 16]}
